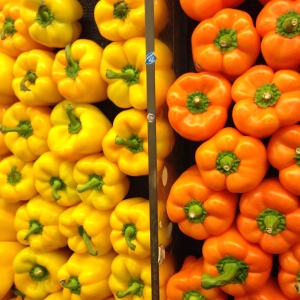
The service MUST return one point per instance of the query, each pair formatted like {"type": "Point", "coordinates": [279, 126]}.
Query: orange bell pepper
{"type": "Point", "coordinates": [227, 43]}
{"type": "Point", "coordinates": [199, 210]}
{"type": "Point", "coordinates": [233, 161]}
{"type": "Point", "coordinates": [198, 104]}
{"type": "Point", "coordinates": [278, 25]}
{"type": "Point", "coordinates": [289, 272]}
{"type": "Point", "coordinates": [233, 264]}
{"type": "Point", "coordinates": [269, 215]}
{"type": "Point", "coordinates": [186, 283]}
{"type": "Point", "coordinates": [284, 154]}
{"type": "Point", "coordinates": [265, 100]}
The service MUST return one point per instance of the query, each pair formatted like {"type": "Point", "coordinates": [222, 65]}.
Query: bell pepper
{"type": "Point", "coordinates": [186, 283]}
{"type": "Point", "coordinates": [269, 215]}
{"type": "Point", "coordinates": [4, 151]}
{"type": "Point", "coordinates": [78, 130]}
{"type": "Point", "coordinates": [15, 37]}
{"type": "Point", "coordinates": [126, 143]}
{"type": "Point", "coordinates": [8, 251]}
{"type": "Point", "coordinates": [7, 216]}
{"type": "Point", "coordinates": [100, 182]}
{"type": "Point", "coordinates": [36, 223]}
{"type": "Point", "coordinates": [233, 264]}
{"type": "Point", "coordinates": [16, 179]}
{"type": "Point", "coordinates": [123, 67]}
{"type": "Point", "coordinates": [278, 25]}
{"type": "Point", "coordinates": [269, 291]}
{"type": "Point", "coordinates": [265, 100]}
{"type": "Point", "coordinates": [131, 277]}
{"type": "Point", "coordinates": [55, 296]}
{"type": "Point", "coordinates": [36, 271]}
{"type": "Point", "coordinates": [198, 104]}
{"type": "Point", "coordinates": [123, 20]}
{"type": "Point", "coordinates": [227, 43]}
{"type": "Point", "coordinates": [76, 71]}
{"type": "Point", "coordinates": [17, 295]}
{"type": "Point", "coordinates": [26, 129]}
{"type": "Point", "coordinates": [200, 10]}
{"type": "Point", "coordinates": [51, 22]}
{"type": "Point", "coordinates": [7, 94]}
{"type": "Point", "coordinates": [8, 296]}
{"type": "Point", "coordinates": [86, 228]}
{"type": "Point", "coordinates": [32, 83]}
{"type": "Point", "coordinates": [85, 276]}
{"type": "Point", "coordinates": [130, 225]}
{"type": "Point", "coordinates": [198, 210]}
{"type": "Point", "coordinates": [231, 160]}
{"type": "Point", "coordinates": [54, 179]}
{"type": "Point", "coordinates": [284, 155]}
{"type": "Point", "coordinates": [289, 272]}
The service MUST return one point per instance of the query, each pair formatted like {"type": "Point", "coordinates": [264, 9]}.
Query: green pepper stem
{"type": "Point", "coordinates": [8, 28]}
{"type": "Point", "coordinates": [195, 211]}
{"type": "Point", "coordinates": [297, 156]}
{"type": "Point", "coordinates": [226, 40]}
{"type": "Point", "coordinates": [14, 177]}
{"type": "Point", "coordinates": [192, 295]}
{"type": "Point", "coordinates": [271, 221]}
{"type": "Point", "coordinates": [129, 74]}
{"type": "Point", "coordinates": [121, 10]}
{"type": "Point", "coordinates": [56, 184]}
{"type": "Point", "coordinates": [227, 162]}
{"type": "Point", "coordinates": [24, 129]}
{"type": "Point", "coordinates": [129, 231]}
{"type": "Point", "coordinates": [44, 16]}
{"type": "Point", "coordinates": [135, 288]}
{"type": "Point", "coordinates": [73, 67]}
{"type": "Point", "coordinates": [35, 227]}
{"type": "Point", "coordinates": [197, 102]}
{"type": "Point", "coordinates": [73, 285]}
{"type": "Point", "coordinates": [38, 273]}
{"type": "Point", "coordinates": [75, 124]}
{"type": "Point", "coordinates": [29, 76]}
{"type": "Point", "coordinates": [95, 182]}
{"type": "Point", "coordinates": [297, 287]}
{"type": "Point", "coordinates": [16, 292]}
{"type": "Point", "coordinates": [134, 143]}
{"type": "Point", "coordinates": [87, 241]}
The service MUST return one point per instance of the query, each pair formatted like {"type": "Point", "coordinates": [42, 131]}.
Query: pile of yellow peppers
{"type": "Point", "coordinates": [69, 230]}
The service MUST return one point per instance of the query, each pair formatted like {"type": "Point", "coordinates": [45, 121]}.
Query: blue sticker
{"type": "Point", "coordinates": [150, 58]}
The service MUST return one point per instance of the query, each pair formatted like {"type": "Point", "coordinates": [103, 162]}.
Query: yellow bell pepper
{"type": "Point", "coordinates": [123, 20]}
{"type": "Point", "coordinates": [126, 143]}
{"type": "Point", "coordinates": [100, 182]}
{"type": "Point", "coordinates": [26, 129]}
{"type": "Point", "coordinates": [85, 277]}
{"type": "Point", "coordinates": [4, 151]}
{"type": "Point", "coordinates": [32, 83]}
{"type": "Point", "coordinates": [131, 277]}
{"type": "Point", "coordinates": [130, 224]}
{"type": "Point", "coordinates": [15, 37]}
{"type": "Point", "coordinates": [54, 179]}
{"type": "Point", "coordinates": [36, 223]}
{"type": "Point", "coordinates": [55, 296]}
{"type": "Point", "coordinates": [7, 94]}
{"type": "Point", "coordinates": [86, 228]}
{"type": "Point", "coordinates": [17, 179]}
{"type": "Point", "coordinates": [8, 251]}
{"type": "Point", "coordinates": [76, 71]}
{"type": "Point", "coordinates": [36, 272]}
{"type": "Point", "coordinates": [52, 23]}
{"type": "Point", "coordinates": [78, 130]}
{"type": "Point", "coordinates": [123, 67]}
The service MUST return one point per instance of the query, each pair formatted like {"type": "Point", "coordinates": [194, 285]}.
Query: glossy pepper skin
{"type": "Point", "coordinates": [8, 251]}
{"type": "Point", "coordinates": [270, 216]}
{"type": "Point", "coordinates": [51, 22]}
{"type": "Point", "coordinates": [200, 10]}
{"type": "Point", "coordinates": [36, 223]}
{"type": "Point", "coordinates": [85, 277]}
{"type": "Point", "coordinates": [198, 104]}
{"type": "Point", "coordinates": [7, 95]}
{"type": "Point", "coordinates": [54, 179]}
{"type": "Point", "coordinates": [126, 143]}
{"type": "Point", "coordinates": [235, 265]}
{"type": "Point", "coordinates": [265, 100]}
{"type": "Point", "coordinates": [76, 71]}
{"type": "Point", "coordinates": [186, 283]}
{"type": "Point", "coordinates": [227, 43]}
{"type": "Point", "coordinates": [16, 179]}
{"type": "Point", "coordinates": [78, 130]}
{"type": "Point", "coordinates": [283, 154]}
{"type": "Point", "coordinates": [26, 129]}
{"type": "Point", "coordinates": [231, 160]}
{"type": "Point", "coordinates": [32, 83]}
{"type": "Point", "coordinates": [278, 25]}
{"type": "Point", "coordinates": [123, 20]}
{"type": "Point", "coordinates": [199, 210]}
{"type": "Point", "coordinates": [36, 272]}
{"type": "Point", "coordinates": [126, 75]}
{"type": "Point", "coordinates": [131, 277]}
{"type": "Point", "coordinates": [86, 228]}
{"type": "Point", "coordinates": [4, 151]}
{"type": "Point", "coordinates": [15, 37]}
{"type": "Point", "coordinates": [288, 274]}
{"type": "Point", "coordinates": [100, 182]}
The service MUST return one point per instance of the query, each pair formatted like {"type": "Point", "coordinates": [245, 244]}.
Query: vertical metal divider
{"type": "Point", "coordinates": [151, 115]}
